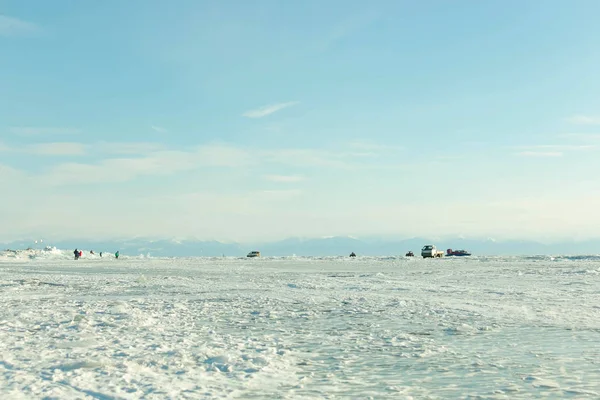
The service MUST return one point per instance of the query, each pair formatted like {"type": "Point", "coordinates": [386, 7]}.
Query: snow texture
{"type": "Point", "coordinates": [298, 327]}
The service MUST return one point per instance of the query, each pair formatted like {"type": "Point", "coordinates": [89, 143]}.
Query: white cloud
{"type": "Point", "coordinates": [585, 137]}
{"type": "Point", "coordinates": [540, 217]}
{"type": "Point", "coordinates": [552, 150]}
{"type": "Point", "coordinates": [10, 26]}
{"type": "Point", "coordinates": [278, 194]}
{"type": "Point", "coordinates": [127, 147]}
{"type": "Point", "coordinates": [119, 169]}
{"type": "Point", "coordinates": [447, 158]}
{"type": "Point", "coordinates": [10, 174]}
{"type": "Point", "coordinates": [306, 158]}
{"type": "Point", "coordinates": [154, 163]}
{"type": "Point", "coordinates": [34, 131]}
{"type": "Point", "coordinates": [284, 178]}
{"type": "Point", "coordinates": [56, 149]}
{"type": "Point", "coordinates": [559, 147]}
{"type": "Point", "coordinates": [371, 146]}
{"type": "Point", "coordinates": [584, 120]}
{"type": "Point", "coordinates": [221, 155]}
{"type": "Point", "coordinates": [252, 214]}
{"type": "Point", "coordinates": [258, 215]}
{"type": "Point", "coordinates": [346, 28]}
{"type": "Point", "coordinates": [540, 154]}
{"type": "Point", "coordinates": [75, 148]}
{"type": "Point", "coordinates": [127, 161]}
{"type": "Point", "coordinates": [48, 149]}
{"type": "Point", "coordinates": [232, 212]}
{"type": "Point", "coordinates": [158, 129]}
{"type": "Point", "coordinates": [268, 109]}
{"type": "Point", "coordinates": [151, 157]}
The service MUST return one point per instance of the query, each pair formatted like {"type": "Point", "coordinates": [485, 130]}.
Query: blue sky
{"type": "Point", "coordinates": [261, 120]}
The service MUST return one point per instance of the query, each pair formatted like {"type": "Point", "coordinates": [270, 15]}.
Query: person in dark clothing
{"type": "Point", "coordinates": [76, 252]}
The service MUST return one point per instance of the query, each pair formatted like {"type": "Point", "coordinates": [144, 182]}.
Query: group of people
{"type": "Point", "coordinates": [79, 253]}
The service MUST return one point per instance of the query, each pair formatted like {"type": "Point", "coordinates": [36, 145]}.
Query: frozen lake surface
{"type": "Point", "coordinates": [510, 328]}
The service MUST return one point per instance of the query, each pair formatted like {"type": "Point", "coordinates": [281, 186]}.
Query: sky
{"type": "Point", "coordinates": [261, 120]}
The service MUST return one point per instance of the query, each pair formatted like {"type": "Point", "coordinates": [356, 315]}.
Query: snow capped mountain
{"type": "Point", "coordinates": [324, 246]}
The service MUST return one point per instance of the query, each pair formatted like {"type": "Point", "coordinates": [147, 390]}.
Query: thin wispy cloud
{"type": "Point", "coordinates": [371, 146]}
{"type": "Point", "coordinates": [153, 163]}
{"type": "Point", "coordinates": [584, 120]}
{"type": "Point", "coordinates": [10, 26]}
{"type": "Point", "coordinates": [8, 173]}
{"type": "Point", "coordinates": [306, 158]}
{"type": "Point", "coordinates": [285, 178]}
{"type": "Point", "coordinates": [128, 147]}
{"type": "Point", "coordinates": [585, 137]}
{"type": "Point", "coordinates": [48, 149]}
{"type": "Point", "coordinates": [57, 149]}
{"type": "Point", "coordinates": [120, 162]}
{"type": "Point", "coordinates": [158, 129]}
{"type": "Point", "coordinates": [448, 158]}
{"type": "Point", "coordinates": [346, 28]}
{"type": "Point", "coordinates": [77, 149]}
{"type": "Point", "coordinates": [268, 109]}
{"type": "Point", "coordinates": [281, 193]}
{"type": "Point", "coordinates": [559, 147]}
{"type": "Point", "coordinates": [126, 162]}
{"type": "Point", "coordinates": [35, 131]}
{"type": "Point", "coordinates": [118, 169]}
{"type": "Point", "coordinates": [539, 154]}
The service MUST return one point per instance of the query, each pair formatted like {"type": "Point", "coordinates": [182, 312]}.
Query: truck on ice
{"type": "Point", "coordinates": [430, 251]}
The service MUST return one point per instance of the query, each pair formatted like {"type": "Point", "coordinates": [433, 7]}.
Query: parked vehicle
{"type": "Point", "coordinates": [254, 254]}
{"type": "Point", "coordinates": [430, 251]}
{"type": "Point", "coordinates": [451, 252]}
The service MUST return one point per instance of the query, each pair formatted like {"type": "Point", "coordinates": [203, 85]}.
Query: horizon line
{"type": "Point", "coordinates": [390, 238]}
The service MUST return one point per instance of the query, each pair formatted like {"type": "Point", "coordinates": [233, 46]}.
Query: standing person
{"type": "Point", "coordinates": [76, 252]}
{"type": "Point", "coordinates": [100, 254]}
{"type": "Point", "coordinates": [117, 254]}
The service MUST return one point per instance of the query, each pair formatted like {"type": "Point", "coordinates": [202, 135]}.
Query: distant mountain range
{"type": "Point", "coordinates": [330, 246]}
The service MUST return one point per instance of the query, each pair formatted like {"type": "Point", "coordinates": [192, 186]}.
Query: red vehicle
{"type": "Point", "coordinates": [451, 252]}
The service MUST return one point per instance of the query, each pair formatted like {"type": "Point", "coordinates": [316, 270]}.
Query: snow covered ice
{"type": "Point", "coordinates": [387, 327]}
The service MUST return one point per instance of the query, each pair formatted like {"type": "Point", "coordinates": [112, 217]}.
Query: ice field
{"type": "Point", "coordinates": [388, 327]}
